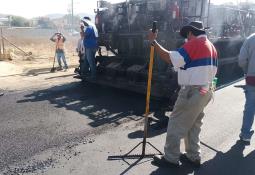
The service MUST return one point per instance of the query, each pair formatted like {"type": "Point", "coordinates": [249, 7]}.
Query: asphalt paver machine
{"type": "Point", "coordinates": [123, 55]}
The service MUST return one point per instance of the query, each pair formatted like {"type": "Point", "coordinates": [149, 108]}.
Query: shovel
{"type": "Point", "coordinates": [53, 69]}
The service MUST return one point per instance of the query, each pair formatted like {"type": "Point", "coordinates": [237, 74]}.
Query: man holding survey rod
{"type": "Point", "coordinates": [196, 64]}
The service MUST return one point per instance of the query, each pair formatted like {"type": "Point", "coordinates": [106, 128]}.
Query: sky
{"type": "Point", "coordinates": [35, 8]}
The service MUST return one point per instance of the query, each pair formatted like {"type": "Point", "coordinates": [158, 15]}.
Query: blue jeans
{"type": "Point", "coordinates": [89, 62]}
{"type": "Point", "coordinates": [59, 56]}
{"type": "Point", "coordinates": [84, 65]}
{"type": "Point", "coordinates": [249, 112]}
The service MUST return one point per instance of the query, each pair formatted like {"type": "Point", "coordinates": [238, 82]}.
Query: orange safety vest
{"type": "Point", "coordinates": [60, 44]}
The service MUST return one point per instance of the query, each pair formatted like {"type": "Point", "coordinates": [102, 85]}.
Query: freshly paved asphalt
{"type": "Point", "coordinates": [34, 121]}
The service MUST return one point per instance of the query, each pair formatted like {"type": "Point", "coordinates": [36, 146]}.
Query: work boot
{"type": "Point", "coordinates": [77, 76]}
{"type": "Point", "coordinates": [59, 68]}
{"type": "Point", "coordinates": [246, 140]}
{"type": "Point", "coordinates": [159, 160]}
{"type": "Point", "coordinates": [195, 163]}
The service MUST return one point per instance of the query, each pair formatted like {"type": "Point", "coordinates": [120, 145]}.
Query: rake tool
{"type": "Point", "coordinates": [146, 116]}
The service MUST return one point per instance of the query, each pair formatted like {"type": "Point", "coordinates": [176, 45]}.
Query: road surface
{"type": "Point", "coordinates": [72, 128]}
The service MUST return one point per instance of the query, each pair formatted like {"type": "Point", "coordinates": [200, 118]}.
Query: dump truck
{"type": "Point", "coordinates": [123, 55]}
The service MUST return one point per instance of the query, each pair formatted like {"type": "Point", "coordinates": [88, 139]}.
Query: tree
{"type": "Point", "coordinates": [18, 21]}
{"type": "Point", "coordinates": [45, 22]}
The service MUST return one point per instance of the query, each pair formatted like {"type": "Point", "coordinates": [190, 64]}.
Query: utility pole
{"type": "Point", "coordinates": [72, 16]}
{"type": "Point", "coordinates": [2, 41]}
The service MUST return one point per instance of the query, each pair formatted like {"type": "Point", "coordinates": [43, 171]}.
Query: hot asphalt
{"type": "Point", "coordinates": [73, 128]}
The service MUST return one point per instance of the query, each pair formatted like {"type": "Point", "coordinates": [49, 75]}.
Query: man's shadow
{"type": "Point", "coordinates": [233, 162]}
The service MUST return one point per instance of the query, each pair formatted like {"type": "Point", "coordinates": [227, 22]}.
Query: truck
{"type": "Point", "coordinates": [123, 55]}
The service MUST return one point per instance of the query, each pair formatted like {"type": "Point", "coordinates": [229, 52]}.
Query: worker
{"type": "Point", "coordinates": [247, 63]}
{"type": "Point", "coordinates": [81, 51]}
{"type": "Point", "coordinates": [59, 39]}
{"type": "Point", "coordinates": [175, 10]}
{"type": "Point", "coordinates": [196, 65]}
{"type": "Point", "coordinates": [90, 43]}
{"type": "Point", "coordinates": [174, 16]}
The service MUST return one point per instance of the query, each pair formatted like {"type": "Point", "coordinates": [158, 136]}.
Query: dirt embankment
{"type": "Point", "coordinates": [26, 71]}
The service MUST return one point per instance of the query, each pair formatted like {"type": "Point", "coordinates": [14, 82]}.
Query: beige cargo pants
{"type": "Point", "coordinates": [185, 122]}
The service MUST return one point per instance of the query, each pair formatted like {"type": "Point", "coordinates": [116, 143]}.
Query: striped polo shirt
{"type": "Point", "coordinates": [196, 62]}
